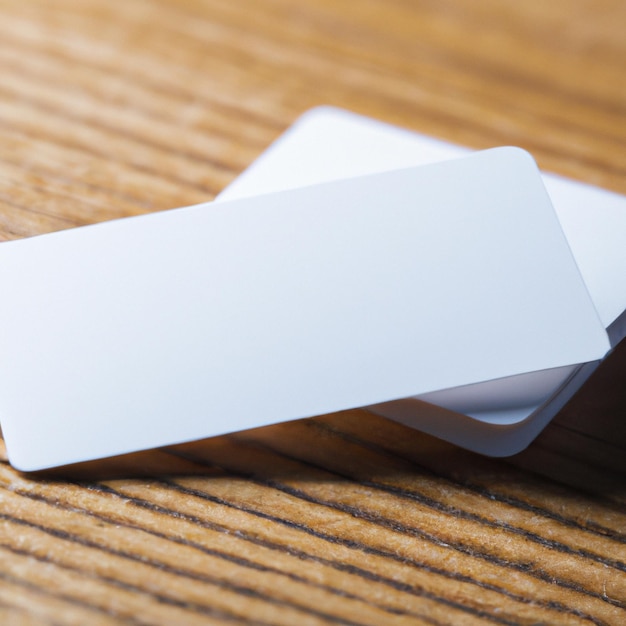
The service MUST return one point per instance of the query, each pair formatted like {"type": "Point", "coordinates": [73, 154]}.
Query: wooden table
{"type": "Point", "coordinates": [115, 109]}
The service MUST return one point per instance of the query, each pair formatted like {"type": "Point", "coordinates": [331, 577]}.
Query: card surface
{"type": "Point", "coordinates": [195, 322]}
{"type": "Point", "coordinates": [327, 144]}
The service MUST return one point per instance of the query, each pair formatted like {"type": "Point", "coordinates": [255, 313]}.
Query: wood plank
{"type": "Point", "coordinates": [107, 112]}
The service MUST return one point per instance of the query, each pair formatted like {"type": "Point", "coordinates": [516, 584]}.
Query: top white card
{"type": "Point", "coordinates": [191, 323]}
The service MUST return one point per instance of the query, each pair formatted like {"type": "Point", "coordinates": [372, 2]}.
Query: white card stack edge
{"type": "Point", "coordinates": [501, 417]}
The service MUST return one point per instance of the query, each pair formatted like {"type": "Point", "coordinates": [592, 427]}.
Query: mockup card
{"type": "Point", "coordinates": [184, 324]}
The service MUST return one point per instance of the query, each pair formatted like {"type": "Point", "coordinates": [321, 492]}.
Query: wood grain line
{"type": "Point", "coordinates": [72, 600]}
{"type": "Point", "coordinates": [186, 605]}
{"type": "Point", "coordinates": [355, 545]}
{"type": "Point", "coordinates": [380, 520]}
{"type": "Point", "coordinates": [46, 71]}
{"type": "Point", "coordinates": [97, 132]}
{"type": "Point", "coordinates": [550, 494]}
{"type": "Point", "coordinates": [220, 554]}
{"type": "Point", "coordinates": [424, 500]}
{"type": "Point", "coordinates": [169, 83]}
{"type": "Point", "coordinates": [209, 551]}
{"type": "Point", "coordinates": [133, 125]}
{"type": "Point", "coordinates": [481, 490]}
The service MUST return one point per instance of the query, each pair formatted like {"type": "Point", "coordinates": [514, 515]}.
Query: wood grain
{"type": "Point", "coordinates": [111, 109]}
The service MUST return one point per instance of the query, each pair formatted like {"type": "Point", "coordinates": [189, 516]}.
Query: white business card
{"type": "Point", "coordinates": [190, 323]}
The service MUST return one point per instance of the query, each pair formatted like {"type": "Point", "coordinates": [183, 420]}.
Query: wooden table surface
{"type": "Point", "coordinates": [109, 109]}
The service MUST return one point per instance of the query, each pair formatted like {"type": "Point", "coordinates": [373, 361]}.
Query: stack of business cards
{"type": "Point", "coordinates": [353, 265]}
{"type": "Point", "coordinates": [498, 417]}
